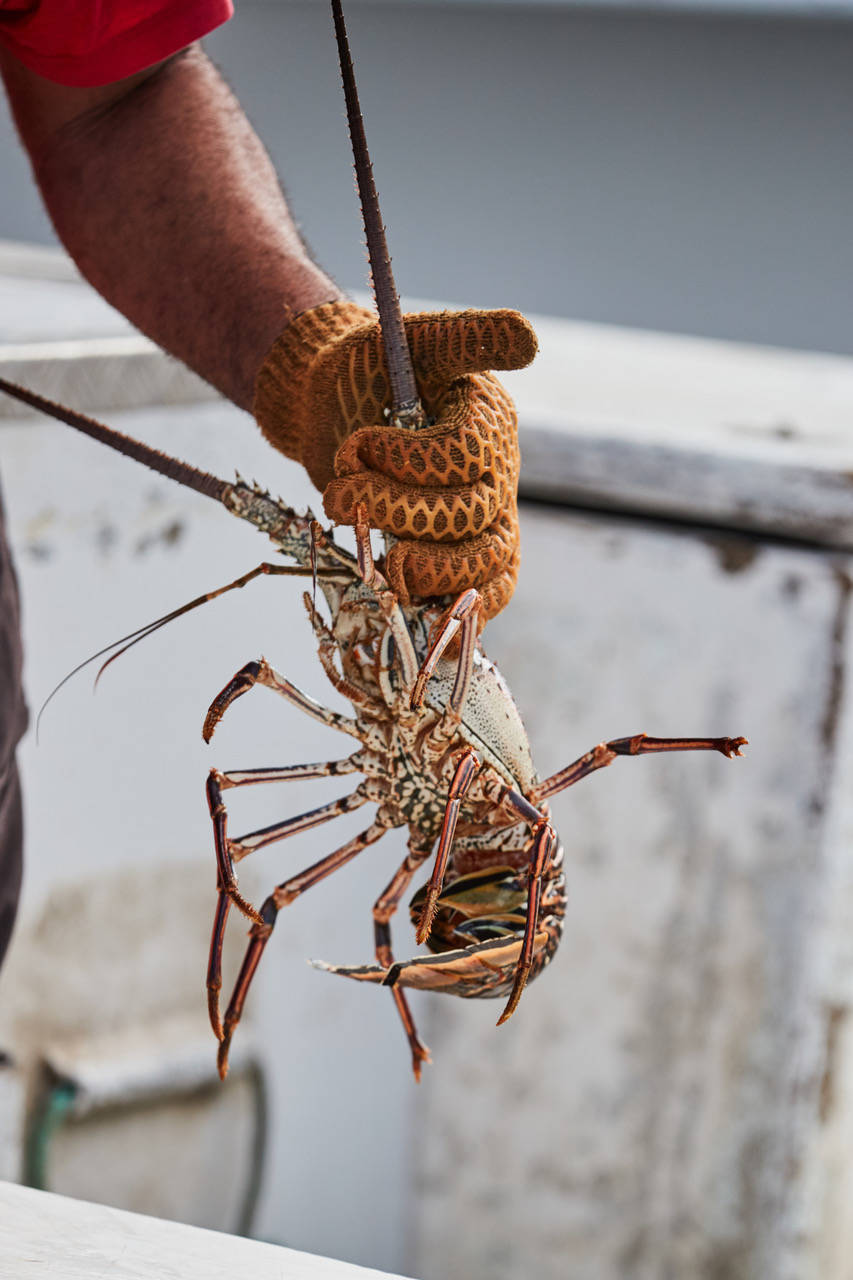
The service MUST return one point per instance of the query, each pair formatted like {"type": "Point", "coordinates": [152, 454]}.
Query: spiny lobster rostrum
{"type": "Point", "coordinates": [442, 749]}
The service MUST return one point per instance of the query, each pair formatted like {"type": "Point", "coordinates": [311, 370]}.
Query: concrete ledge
{"type": "Point", "coordinates": [784, 497]}
{"type": "Point", "coordinates": [103, 374]}
{"type": "Point", "coordinates": [22, 260]}
{"type": "Point", "coordinates": [43, 1235]}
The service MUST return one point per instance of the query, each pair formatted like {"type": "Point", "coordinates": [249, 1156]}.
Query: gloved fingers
{"type": "Point", "coordinates": [438, 515]}
{"type": "Point", "coordinates": [496, 594]}
{"type": "Point", "coordinates": [349, 379]}
{"type": "Point", "coordinates": [446, 344]}
{"type": "Point", "coordinates": [474, 436]}
{"type": "Point", "coordinates": [419, 570]}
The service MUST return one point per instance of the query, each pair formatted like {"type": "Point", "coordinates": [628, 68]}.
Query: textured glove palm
{"type": "Point", "coordinates": [447, 492]}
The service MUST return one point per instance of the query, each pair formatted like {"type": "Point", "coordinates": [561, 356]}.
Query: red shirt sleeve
{"type": "Point", "coordinates": [93, 42]}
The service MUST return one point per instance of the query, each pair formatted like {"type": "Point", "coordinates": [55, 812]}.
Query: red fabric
{"type": "Point", "coordinates": [93, 42]}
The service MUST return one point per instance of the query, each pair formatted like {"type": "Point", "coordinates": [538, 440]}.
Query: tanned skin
{"type": "Point", "coordinates": [165, 198]}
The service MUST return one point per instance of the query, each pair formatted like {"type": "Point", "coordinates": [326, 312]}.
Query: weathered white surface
{"type": "Point", "coordinates": [673, 1097]}
{"type": "Point", "coordinates": [647, 1111]}
{"type": "Point", "coordinates": [12, 1112]}
{"type": "Point", "coordinates": [746, 437]}
{"type": "Point", "coordinates": [21, 260]}
{"type": "Point", "coordinates": [185, 1156]}
{"type": "Point", "coordinates": [119, 890]}
{"type": "Point", "coordinates": [43, 1235]}
{"type": "Point", "coordinates": [123, 372]}
{"type": "Point", "coordinates": [827, 1213]}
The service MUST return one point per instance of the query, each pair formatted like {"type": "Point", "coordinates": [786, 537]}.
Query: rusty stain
{"type": "Point", "coordinates": [41, 551]}
{"type": "Point", "coordinates": [168, 536]}
{"type": "Point", "coordinates": [836, 1016]}
{"type": "Point", "coordinates": [106, 537]}
{"type": "Point", "coordinates": [785, 431]}
{"type": "Point", "coordinates": [781, 430]}
{"type": "Point", "coordinates": [829, 723]}
{"type": "Point", "coordinates": [734, 553]}
{"type": "Point", "coordinates": [728, 1261]}
{"type": "Point", "coordinates": [39, 524]}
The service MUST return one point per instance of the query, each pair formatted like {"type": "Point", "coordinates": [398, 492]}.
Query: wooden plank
{"type": "Point", "coordinates": [649, 1109]}
{"type": "Point", "coordinates": [748, 437]}
{"type": "Point", "coordinates": [44, 1235]}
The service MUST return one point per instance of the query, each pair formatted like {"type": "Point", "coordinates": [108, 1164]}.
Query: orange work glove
{"type": "Point", "coordinates": [447, 492]}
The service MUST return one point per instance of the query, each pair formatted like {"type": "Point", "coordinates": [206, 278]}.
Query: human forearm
{"type": "Point", "coordinates": [165, 198]}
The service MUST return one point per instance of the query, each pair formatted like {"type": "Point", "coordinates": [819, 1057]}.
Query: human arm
{"type": "Point", "coordinates": [167, 201]}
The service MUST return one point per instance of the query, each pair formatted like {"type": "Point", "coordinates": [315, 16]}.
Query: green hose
{"type": "Point", "coordinates": [54, 1106]}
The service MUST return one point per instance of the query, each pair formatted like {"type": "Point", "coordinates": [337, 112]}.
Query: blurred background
{"type": "Point", "coordinates": [667, 191]}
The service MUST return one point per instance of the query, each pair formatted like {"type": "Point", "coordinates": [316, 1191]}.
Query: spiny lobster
{"type": "Point", "coordinates": [442, 749]}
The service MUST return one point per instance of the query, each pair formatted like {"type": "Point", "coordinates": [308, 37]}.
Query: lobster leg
{"type": "Point", "coordinates": [259, 934]}
{"type": "Point", "coordinates": [545, 838]}
{"type": "Point", "coordinates": [326, 651]}
{"type": "Point", "coordinates": [289, 772]}
{"type": "Point", "coordinates": [229, 851]}
{"type": "Point", "coordinates": [387, 600]}
{"type": "Point", "coordinates": [641, 744]}
{"type": "Point", "coordinates": [544, 844]}
{"type": "Point", "coordinates": [463, 776]}
{"type": "Point", "coordinates": [462, 614]}
{"type": "Point", "coordinates": [366, 565]}
{"type": "Point", "coordinates": [383, 909]}
{"type": "Point", "coordinates": [260, 672]}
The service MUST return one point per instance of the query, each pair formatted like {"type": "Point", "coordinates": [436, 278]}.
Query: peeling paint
{"type": "Point", "coordinates": [836, 1016]}
{"type": "Point", "coordinates": [168, 536]}
{"type": "Point", "coordinates": [829, 724]}
{"type": "Point", "coordinates": [106, 538]}
{"type": "Point", "coordinates": [39, 551]}
{"type": "Point", "coordinates": [734, 554]}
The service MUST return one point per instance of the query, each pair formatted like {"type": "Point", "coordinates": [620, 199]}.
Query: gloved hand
{"type": "Point", "coordinates": [447, 492]}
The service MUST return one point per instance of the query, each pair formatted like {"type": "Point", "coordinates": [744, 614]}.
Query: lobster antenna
{"type": "Point", "coordinates": [407, 409]}
{"type": "Point", "coordinates": [182, 472]}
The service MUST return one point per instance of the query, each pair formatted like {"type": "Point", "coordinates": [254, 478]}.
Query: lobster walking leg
{"type": "Point", "coordinates": [462, 614]}
{"type": "Point", "coordinates": [326, 651]}
{"type": "Point", "coordinates": [641, 744]}
{"type": "Point", "coordinates": [260, 672]}
{"type": "Point", "coordinates": [230, 851]}
{"type": "Point", "coordinates": [545, 837]}
{"type": "Point", "coordinates": [544, 844]}
{"type": "Point", "coordinates": [259, 934]}
{"type": "Point", "coordinates": [386, 599]}
{"type": "Point", "coordinates": [366, 565]}
{"type": "Point", "coordinates": [289, 772]}
{"type": "Point", "coordinates": [383, 909]}
{"type": "Point", "coordinates": [463, 776]}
